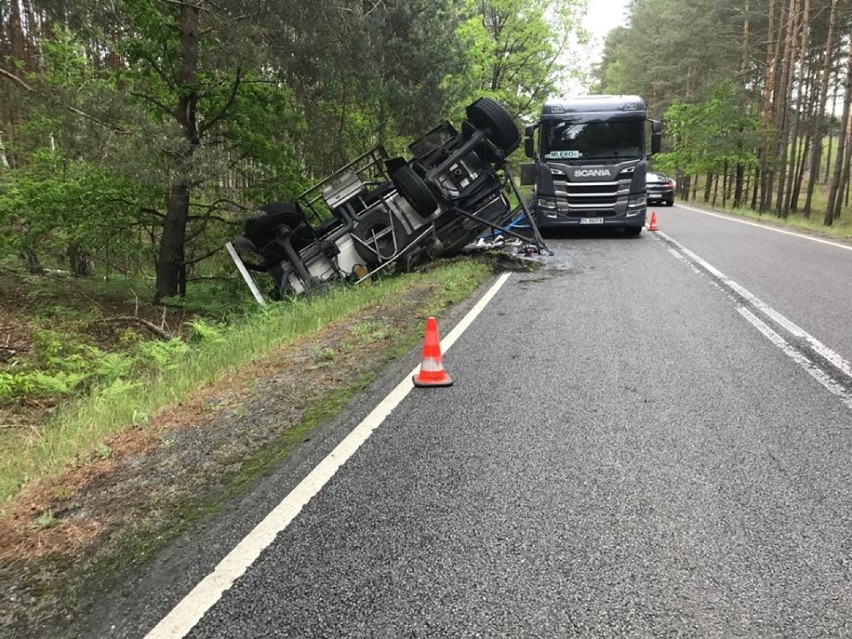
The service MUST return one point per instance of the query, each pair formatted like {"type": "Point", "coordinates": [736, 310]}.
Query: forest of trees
{"type": "Point", "coordinates": [136, 134]}
{"type": "Point", "coordinates": [755, 95]}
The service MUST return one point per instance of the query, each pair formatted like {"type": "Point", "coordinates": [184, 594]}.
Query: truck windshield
{"type": "Point", "coordinates": [563, 140]}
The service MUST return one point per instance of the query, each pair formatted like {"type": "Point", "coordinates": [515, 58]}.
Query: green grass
{"type": "Point", "coordinates": [840, 229]}
{"type": "Point", "coordinates": [77, 432]}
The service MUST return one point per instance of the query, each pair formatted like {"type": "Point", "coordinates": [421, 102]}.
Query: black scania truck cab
{"type": "Point", "coordinates": [590, 161]}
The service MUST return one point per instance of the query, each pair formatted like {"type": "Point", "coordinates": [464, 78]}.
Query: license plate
{"type": "Point", "coordinates": [591, 220]}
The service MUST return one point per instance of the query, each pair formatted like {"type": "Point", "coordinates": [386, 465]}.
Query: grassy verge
{"type": "Point", "coordinates": [77, 432]}
{"type": "Point", "coordinates": [840, 229]}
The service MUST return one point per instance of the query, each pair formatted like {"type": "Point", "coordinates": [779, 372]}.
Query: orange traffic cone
{"type": "Point", "coordinates": [432, 371]}
{"type": "Point", "coordinates": [653, 225]}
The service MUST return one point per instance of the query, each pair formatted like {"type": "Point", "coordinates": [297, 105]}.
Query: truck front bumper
{"type": "Point", "coordinates": [591, 219]}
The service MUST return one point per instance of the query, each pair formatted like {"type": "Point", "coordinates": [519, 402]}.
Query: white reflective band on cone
{"type": "Point", "coordinates": [430, 364]}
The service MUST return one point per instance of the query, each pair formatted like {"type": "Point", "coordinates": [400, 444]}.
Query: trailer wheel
{"type": "Point", "coordinates": [415, 191]}
{"type": "Point", "coordinates": [490, 116]}
{"type": "Point", "coordinates": [380, 239]}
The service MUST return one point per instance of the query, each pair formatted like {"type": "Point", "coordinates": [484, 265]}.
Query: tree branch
{"type": "Point", "coordinates": [156, 330]}
{"type": "Point", "coordinates": [74, 110]}
{"type": "Point", "coordinates": [195, 260]}
{"type": "Point", "coordinates": [225, 106]}
{"type": "Point", "coordinates": [156, 103]}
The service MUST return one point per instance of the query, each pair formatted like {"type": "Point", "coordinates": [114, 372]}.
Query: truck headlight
{"type": "Point", "coordinates": [547, 206]}
{"type": "Point", "coordinates": [636, 201]}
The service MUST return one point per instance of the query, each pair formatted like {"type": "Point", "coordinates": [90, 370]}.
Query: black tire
{"type": "Point", "coordinates": [670, 203]}
{"type": "Point", "coordinates": [632, 231]}
{"type": "Point", "coordinates": [490, 116]}
{"type": "Point", "coordinates": [415, 191]}
{"type": "Point", "coordinates": [383, 238]}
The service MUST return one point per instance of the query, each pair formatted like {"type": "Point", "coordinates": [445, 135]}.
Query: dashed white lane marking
{"type": "Point", "coordinates": [768, 228]}
{"type": "Point", "coordinates": [814, 370]}
{"type": "Point", "coordinates": [189, 611]}
{"type": "Point", "coordinates": [796, 331]}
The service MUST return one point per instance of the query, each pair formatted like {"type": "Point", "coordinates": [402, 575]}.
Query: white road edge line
{"type": "Point", "coordinates": [189, 611]}
{"type": "Point", "coordinates": [812, 369]}
{"type": "Point", "coordinates": [824, 351]}
{"type": "Point", "coordinates": [767, 228]}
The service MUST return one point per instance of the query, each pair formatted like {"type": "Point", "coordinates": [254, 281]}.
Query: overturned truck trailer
{"type": "Point", "coordinates": [379, 210]}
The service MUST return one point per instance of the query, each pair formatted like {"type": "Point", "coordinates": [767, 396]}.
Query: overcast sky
{"type": "Point", "coordinates": [603, 16]}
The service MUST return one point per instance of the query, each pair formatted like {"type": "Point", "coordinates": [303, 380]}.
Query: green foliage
{"type": "Point", "coordinates": [37, 384]}
{"type": "Point", "coordinates": [47, 519]}
{"type": "Point", "coordinates": [61, 366]}
{"type": "Point", "coordinates": [513, 48]}
{"type": "Point", "coordinates": [163, 355]}
{"type": "Point", "coordinates": [204, 332]}
{"type": "Point", "coordinates": [53, 201]}
{"type": "Point", "coordinates": [278, 93]}
{"type": "Point", "coordinates": [118, 388]}
{"type": "Point", "coordinates": [673, 51]}
{"type": "Point", "coordinates": [709, 135]}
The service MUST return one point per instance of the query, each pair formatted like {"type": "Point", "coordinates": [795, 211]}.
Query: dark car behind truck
{"type": "Point", "coordinates": [590, 161]}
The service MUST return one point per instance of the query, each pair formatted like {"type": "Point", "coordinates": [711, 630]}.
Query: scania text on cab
{"type": "Point", "coordinates": [589, 163]}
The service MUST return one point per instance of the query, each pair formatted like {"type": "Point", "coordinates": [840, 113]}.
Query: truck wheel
{"type": "Point", "coordinates": [415, 191]}
{"type": "Point", "coordinates": [383, 238]}
{"type": "Point", "coordinates": [490, 116]}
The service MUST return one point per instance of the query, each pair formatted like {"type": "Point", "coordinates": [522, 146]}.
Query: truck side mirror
{"type": "Point", "coordinates": [656, 136]}
{"type": "Point", "coordinates": [529, 144]}
{"type": "Point", "coordinates": [528, 174]}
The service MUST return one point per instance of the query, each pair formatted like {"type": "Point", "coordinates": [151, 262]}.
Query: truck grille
{"type": "Point", "coordinates": [600, 196]}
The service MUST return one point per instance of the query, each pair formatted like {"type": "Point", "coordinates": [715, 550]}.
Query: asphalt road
{"type": "Point", "coordinates": [635, 446]}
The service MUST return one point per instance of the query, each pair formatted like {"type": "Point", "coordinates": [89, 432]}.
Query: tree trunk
{"type": "Point", "coordinates": [740, 169]}
{"type": "Point", "coordinates": [4, 161]}
{"type": "Point", "coordinates": [755, 188]}
{"type": "Point", "coordinates": [783, 105]}
{"type": "Point", "coordinates": [819, 119]}
{"type": "Point", "coordinates": [800, 175]}
{"type": "Point", "coordinates": [33, 263]}
{"type": "Point", "coordinates": [170, 261]}
{"type": "Point", "coordinates": [847, 165]}
{"type": "Point", "coordinates": [16, 33]}
{"type": "Point", "coordinates": [832, 211]}
{"type": "Point", "coordinates": [830, 138]}
{"type": "Point", "coordinates": [170, 257]}
{"type": "Point", "coordinates": [739, 185]}
{"type": "Point", "coordinates": [769, 74]}
{"type": "Point", "coordinates": [79, 262]}
{"type": "Point", "coordinates": [803, 133]}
